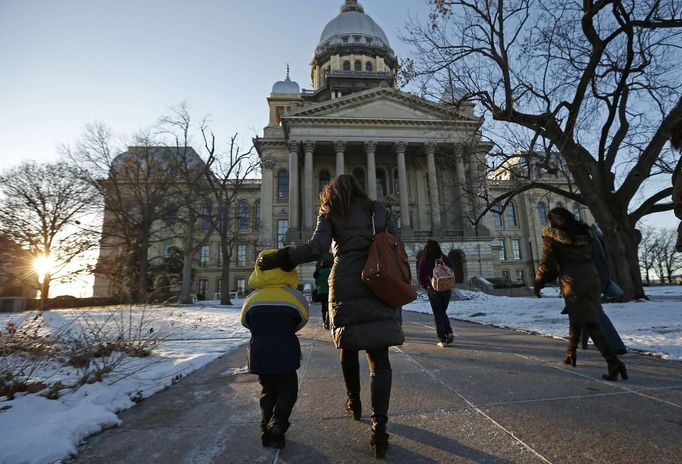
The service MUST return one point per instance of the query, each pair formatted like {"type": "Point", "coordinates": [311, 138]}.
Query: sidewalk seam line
{"type": "Point", "coordinates": [613, 384]}
{"type": "Point", "coordinates": [475, 408]}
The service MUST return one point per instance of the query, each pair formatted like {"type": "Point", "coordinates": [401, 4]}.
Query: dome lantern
{"type": "Point", "coordinates": [286, 87]}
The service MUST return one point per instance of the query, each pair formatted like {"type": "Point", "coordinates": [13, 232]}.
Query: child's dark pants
{"type": "Point", "coordinates": [277, 399]}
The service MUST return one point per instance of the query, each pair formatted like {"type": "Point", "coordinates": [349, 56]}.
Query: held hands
{"type": "Point", "coordinates": [267, 262]}
{"type": "Point", "coordinates": [275, 260]}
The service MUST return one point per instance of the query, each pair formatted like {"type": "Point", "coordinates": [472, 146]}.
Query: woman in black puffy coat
{"type": "Point", "coordinates": [359, 320]}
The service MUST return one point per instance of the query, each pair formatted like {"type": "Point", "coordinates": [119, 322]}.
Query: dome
{"type": "Point", "coordinates": [286, 87]}
{"type": "Point", "coordinates": [352, 21]}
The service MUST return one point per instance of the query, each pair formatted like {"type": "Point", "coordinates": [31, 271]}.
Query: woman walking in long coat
{"type": "Point", "coordinates": [568, 253]}
{"type": "Point", "coordinates": [359, 321]}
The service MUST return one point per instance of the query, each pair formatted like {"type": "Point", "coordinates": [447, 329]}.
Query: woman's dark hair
{"type": "Point", "coordinates": [562, 219]}
{"type": "Point", "coordinates": [432, 251]}
{"type": "Point", "coordinates": [337, 196]}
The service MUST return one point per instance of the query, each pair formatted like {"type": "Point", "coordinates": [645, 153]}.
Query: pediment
{"type": "Point", "coordinates": [378, 104]}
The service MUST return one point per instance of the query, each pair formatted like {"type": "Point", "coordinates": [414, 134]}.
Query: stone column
{"type": "Point", "coordinates": [308, 201]}
{"type": "Point", "coordinates": [266, 194]}
{"type": "Point", "coordinates": [461, 186]}
{"type": "Point", "coordinates": [370, 149]}
{"type": "Point", "coordinates": [293, 185]}
{"type": "Point", "coordinates": [475, 180]}
{"type": "Point", "coordinates": [400, 148]}
{"type": "Point", "coordinates": [430, 149]}
{"type": "Point", "coordinates": [339, 148]}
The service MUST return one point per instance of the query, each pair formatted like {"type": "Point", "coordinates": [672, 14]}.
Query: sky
{"type": "Point", "coordinates": [67, 63]}
{"type": "Point", "coordinates": [71, 62]}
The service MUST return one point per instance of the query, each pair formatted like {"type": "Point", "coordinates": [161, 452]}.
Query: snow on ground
{"type": "Point", "coordinates": [38, 430]}
{"type": "Point", "coordinates": [35, 429]}
{"type": "Point", "coordinates": [653, 326]}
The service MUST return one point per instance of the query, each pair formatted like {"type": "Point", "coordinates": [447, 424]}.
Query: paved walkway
{"type": "Point", "coordinates": [496, 396]}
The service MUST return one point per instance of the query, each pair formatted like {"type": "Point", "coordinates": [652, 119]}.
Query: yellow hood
{"type": "Point", "coordinates": [273, 277]}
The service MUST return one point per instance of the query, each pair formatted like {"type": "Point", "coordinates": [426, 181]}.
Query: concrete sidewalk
{"type": "Point", "coordinates": [496, 396]}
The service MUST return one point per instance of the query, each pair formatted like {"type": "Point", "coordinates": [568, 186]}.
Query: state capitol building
{"type": "Point", "coordinates": [424, 159]}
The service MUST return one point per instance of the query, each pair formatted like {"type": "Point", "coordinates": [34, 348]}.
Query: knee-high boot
{"type": "Point", "coordinates": [351, 376]}
{"type": "Point", "coordinates": [573, 338]}
{"type": "Point", "coordinates": [380, 386]}
{"type": "Point", "coordinates": [615, 365]}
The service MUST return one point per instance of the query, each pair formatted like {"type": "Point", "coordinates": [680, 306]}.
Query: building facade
{"type": "Point", "coordinates": [425, 160]}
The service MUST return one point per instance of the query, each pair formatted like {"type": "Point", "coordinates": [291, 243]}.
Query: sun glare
{"type": "Point", "coordinates": [44, 265]}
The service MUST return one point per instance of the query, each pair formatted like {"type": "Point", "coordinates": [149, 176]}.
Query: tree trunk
{"type": "Point", "coordinates": [186, 290]}
{"type": "Point", "coordinates": [225, 276]}
{"type": "Point", "coordinates": [44, 291]}
{"type": "Point", "coordinates": [621, 242]}
{"type": "Point", "coordinates": [142, 267]}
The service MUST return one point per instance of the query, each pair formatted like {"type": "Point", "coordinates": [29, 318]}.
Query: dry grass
{"type": "Point", "coordinates": [31, 352]}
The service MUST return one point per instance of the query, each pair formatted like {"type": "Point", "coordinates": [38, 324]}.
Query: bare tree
{"type": "Point", "coordinates": [596, 81]}
{"type": "Point", "coordinates": [227, 175]}
{"type": "Point", "coordinates": [45, 209]}
{"type": "Point", "coordinates": [667, 259]}
{"type": "Point", "coordinates": [647, 251]}
{"type": "Point", "coordinates": [191, 189]}
{"type": "Point", "coordinates": [135, 184]}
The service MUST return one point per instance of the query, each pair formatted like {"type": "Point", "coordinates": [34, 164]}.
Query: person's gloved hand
{"type": "Point", "coordinates": [274, 260]}
{"type": "Point", "coordinates": [537, 287]}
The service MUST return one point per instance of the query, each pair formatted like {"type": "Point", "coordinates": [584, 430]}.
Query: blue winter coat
{"type": "Point", "coordinates": [274, 312]}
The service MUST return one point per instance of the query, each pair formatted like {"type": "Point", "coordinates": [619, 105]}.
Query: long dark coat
{"type": "Point", "coordinates": [359, 320]}
{"type": "Point", "coordinates": [573, 262]}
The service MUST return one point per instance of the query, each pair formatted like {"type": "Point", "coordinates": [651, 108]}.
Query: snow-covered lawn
{"type": "Point", "coordinates": [35, 429]}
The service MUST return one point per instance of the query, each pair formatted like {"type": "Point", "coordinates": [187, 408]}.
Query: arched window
{"type": "Point", "coordinates": [243, 215]}
{"type": "Point", "coordinates": [359, 174]}
{"type": "Point", "coordinates": [346, 65]}
{"type": "Point", "coordinates": [283, 184]}
{"type": "Point", "coordinates": [381, 183]}
{"type": "Point", "coordinates": [542, 212]}
{"type": "Point", "coordinates": [511, 215]}
{"type": "Point", "coordinates": [358, 65]}
{"type": "Point", "coordinates": [369, 67]}
{"type": "Point", "coordinates": [324, 179]}
{"type": "Point", "coordinates": [256, 216]}
{"type": "Point", "coordinates": [497, 215]}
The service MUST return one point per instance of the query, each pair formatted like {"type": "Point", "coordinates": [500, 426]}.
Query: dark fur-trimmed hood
{"type": "Point", "coordinates": [582, 237]}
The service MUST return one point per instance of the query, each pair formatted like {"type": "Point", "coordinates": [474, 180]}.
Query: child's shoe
{"type": "Point", "coordinates": [275, 437]}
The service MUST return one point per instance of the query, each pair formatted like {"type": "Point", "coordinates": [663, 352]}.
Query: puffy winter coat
{"type": "Point", "coordinates": [359, 320]}
{"type": "Point", "coordinates": [573, 262]}
{"type": "Point", "coordinates": [274, 312]}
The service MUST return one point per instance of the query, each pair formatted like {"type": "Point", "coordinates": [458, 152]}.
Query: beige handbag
{"type": "Point", "coordinates": [443, 278]}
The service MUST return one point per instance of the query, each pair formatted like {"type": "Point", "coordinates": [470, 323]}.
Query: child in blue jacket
{"type": "Point", "coordinates": [274, 312]}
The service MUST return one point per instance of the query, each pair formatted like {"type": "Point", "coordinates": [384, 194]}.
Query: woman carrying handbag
{"type": "Point", "coordinates": [358, 319]}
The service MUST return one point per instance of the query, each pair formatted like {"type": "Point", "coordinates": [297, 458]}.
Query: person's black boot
{"type": "Point", "coordinates": [380, 387]}
{"type": "Point", "coordinates": [378, 440]}
{"type": "Point", "coordinates": [570, 358]}
{"type": "Point", "coordinates": [616, 367]}
{"type": "Point", "coordinates": [353, 407]}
